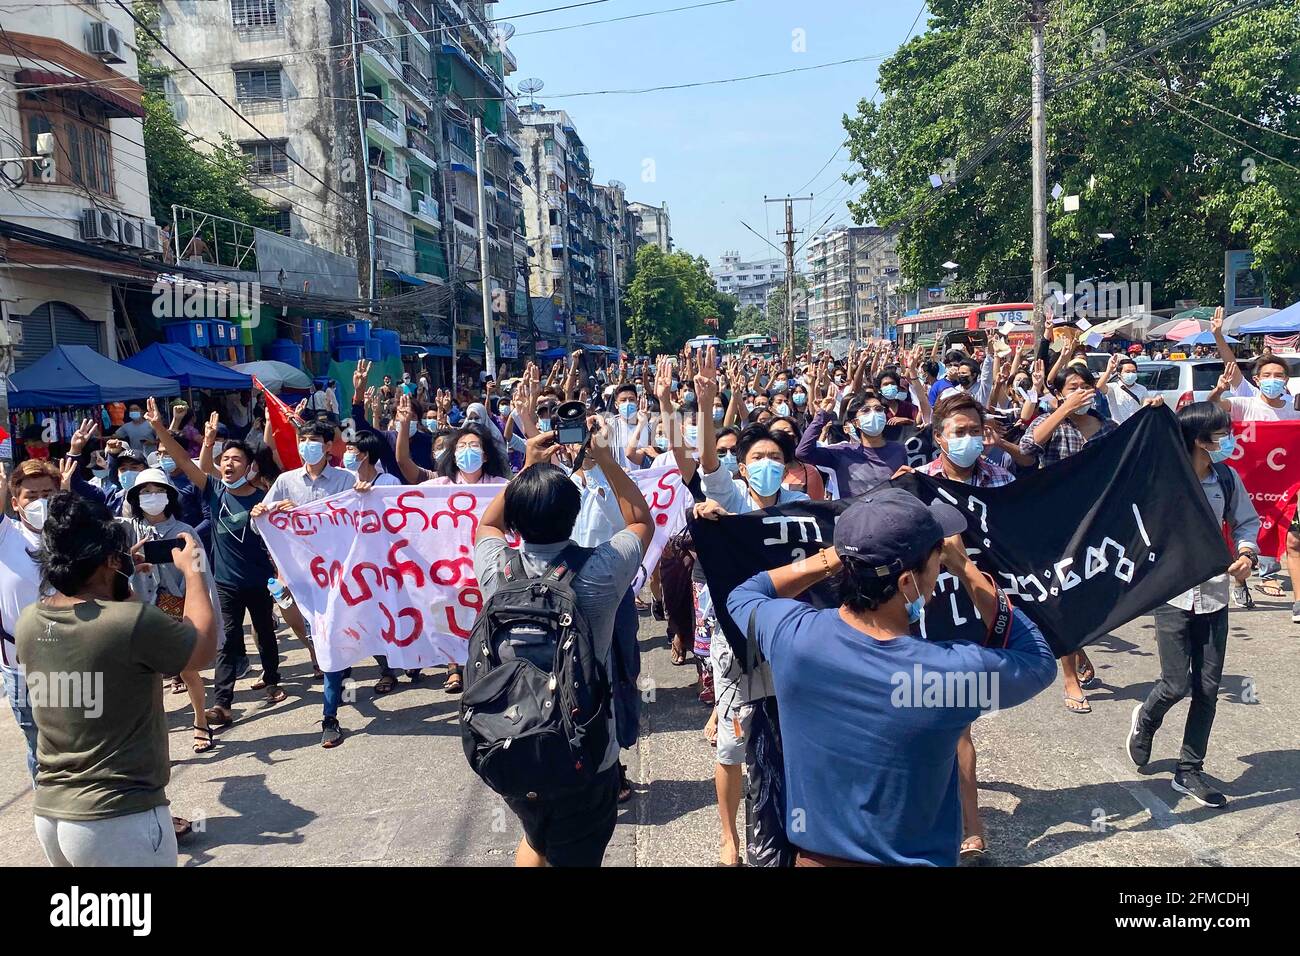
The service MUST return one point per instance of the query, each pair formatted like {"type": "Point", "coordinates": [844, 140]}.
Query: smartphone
{"type": "Point", "coordinates": [160, 552]}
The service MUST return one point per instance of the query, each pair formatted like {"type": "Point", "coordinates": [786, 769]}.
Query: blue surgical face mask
{"type": "Point", "coordinates": [891, 392]}
{"type": "Point", "coordinates": [717, 416]}
{"type": "Point", "coordinates": [1045, 405]}
{"type": "Point", "coordinates": [965, 450]}
{"type": "Point", "coordinates": [126, 479]}
{"type": "Point", "coordinates": [779, 387]}
{"type": "Point", "coordinates": [469, 459]}
{"type": "Point", "coordinates": [765, 476]}
{"type": "Point", "coordinates": [676, 384]}
{"type": "Point", "coordinates": [692, 434]}
{"type": "Point", "coordinates": [135, 416]}
{"type": "Point", "coordinates": [800, 399]}
{"type": "Point", "coordinates": [167, 464]}
{"type": "Point", "coordinates": [1272, 387]}
{"type": "Point", "coordinates": [350, 460]}
{"type": "Point", "coordinates": [688, 397]}
{"type": "Point", "coordinates": [411, 428]}
{"type": "Point", "coordinates": [915, 608]}
{"type": "Point", "coordinates": [781, 410]}
{"type": "Point", "coordinates": [627, 409]}
{"type": "Point", "coordinates": [873, 423]}
{"type": "Point", "coordinates": [544, 424]}
{"type": "Point", "coordinates": [237, 483]}
{"type": "Point", "coordinates": [661, 443]}
{"type": "Point", "coordinates": [1227, 445]}
{"type": "Point", "coordinates": [311, 452]}
{"type": "Point", "coordinates": [730, 463]}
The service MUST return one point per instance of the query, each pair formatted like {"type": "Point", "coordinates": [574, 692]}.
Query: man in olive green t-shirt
{"type": "Point", "coordinates": [93, 681]}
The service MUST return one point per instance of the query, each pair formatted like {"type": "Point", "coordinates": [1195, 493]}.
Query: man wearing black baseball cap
{"type": "Point", "coordinates": [870, 714]}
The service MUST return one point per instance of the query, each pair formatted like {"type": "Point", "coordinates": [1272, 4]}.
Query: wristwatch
{"type": "Point", "coordinates": [1248, 553]}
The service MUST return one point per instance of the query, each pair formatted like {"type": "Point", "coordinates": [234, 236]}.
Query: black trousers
{"type": "Point", "coordinates": [1191, 648]}
{"type": "Point", "coordinates": [234, 602]}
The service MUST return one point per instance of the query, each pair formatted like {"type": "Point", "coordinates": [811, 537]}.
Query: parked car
{"type": "Point", "coordinates": [1181, 382]}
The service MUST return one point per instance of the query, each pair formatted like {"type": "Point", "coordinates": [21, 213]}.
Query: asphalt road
{"type": "Point", "coordinates": [1056, 788]}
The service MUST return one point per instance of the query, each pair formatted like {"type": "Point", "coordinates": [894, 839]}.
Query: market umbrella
{"type": "Point", "coordinates": [276, 375]}
{"type": "Point", "coordinates": [1202, 313]}
{"type": "Point", "coordinates": [1234, 322]}
{"type": "Point", "coordinates": [1285, 322]}
{"type": "Point", "coordinates": [1207, 338]}
{"type": "Point", "coordinates": [1177, 329]}
{"type": "Point", "coordinates": [71, 376]}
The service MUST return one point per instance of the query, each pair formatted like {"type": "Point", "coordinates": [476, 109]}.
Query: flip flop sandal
{"type": "Point", "coordinates": [454, 684]}
{"type": "Point", "coordinates": [182, 827]}
{"type": "Point", "coordinates": [219, 718]}
{"type": "Point", "coordinates": [1085, 709]}
{"type": "Point", "coordinates": [969, 851]}
{"type": "Point", "coordinates": [1271, 589]}
{"type": "Point", "coordinates": [178, 686]}
{"type": "Point", "coordinates": [385, 684]}
{"type": "Point", "coordinates": [274, 694]}
{"type": "Point", "coordinates": [258, 684]}
{"type": "Point", "coordinates": [203, 744]}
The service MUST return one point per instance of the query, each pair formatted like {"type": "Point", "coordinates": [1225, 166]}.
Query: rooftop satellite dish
{"type": "Point", "coordinates": [531, 86]}
{"type": "Point", "coordinates": [505, 31]}
{"type": "Point", "coordinates": [616, 184]}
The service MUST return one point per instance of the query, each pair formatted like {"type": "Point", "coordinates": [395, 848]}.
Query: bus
{"type": "Point", "coordinates": [931, 323]}
{"type": "Point", "coordinates": [757, 345]}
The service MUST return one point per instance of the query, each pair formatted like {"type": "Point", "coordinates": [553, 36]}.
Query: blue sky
{"type": "Point", "coordinates": [716, 150]}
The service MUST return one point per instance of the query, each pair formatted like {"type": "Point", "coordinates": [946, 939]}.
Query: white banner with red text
{"type": "Point", "coordinates": [391, 571]}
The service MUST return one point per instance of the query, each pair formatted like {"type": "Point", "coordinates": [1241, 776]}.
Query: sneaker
{"type": "Point", "coordinates": [1139, 739]}
{"type": "Point", "coordinates": [1192, 783]}
{"type": "Point", "coordinates": [1241, 596]}
{"type": "Point", "coordinates": [1295, 613]}
{"type": "Point", "coordinates": [331, 734]}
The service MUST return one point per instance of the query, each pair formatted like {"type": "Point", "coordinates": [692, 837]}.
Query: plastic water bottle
{"type": "Point", "coordinates": [279, 593]}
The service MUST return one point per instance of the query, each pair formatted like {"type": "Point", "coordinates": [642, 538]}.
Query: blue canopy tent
{"type": "Point", "coordinates": [74, 376]}
{"type": "Point", "coordinates": [187, 368]}
{"type": "Point", "coordinates": [1285, 322]}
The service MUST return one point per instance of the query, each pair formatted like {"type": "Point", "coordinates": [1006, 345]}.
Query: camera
{"type": "Point", "coordinates": [570, 421]}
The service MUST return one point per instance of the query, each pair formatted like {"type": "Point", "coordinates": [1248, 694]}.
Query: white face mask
{"type": "Point", "coordinates": [154, 503]}
{"type": "Point", "coordinates": [36, 513]}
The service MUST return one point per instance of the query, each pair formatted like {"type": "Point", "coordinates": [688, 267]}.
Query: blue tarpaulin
{"type": "Point", "coordinates": [187, 368]}
{"type": "Point", "coordinates": [1285, 322]}
{"type": "Point", "coordinates": [77, 375]}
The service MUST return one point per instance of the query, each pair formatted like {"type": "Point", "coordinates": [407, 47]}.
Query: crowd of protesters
{"type": "Point", "coordinates": [747, 432]}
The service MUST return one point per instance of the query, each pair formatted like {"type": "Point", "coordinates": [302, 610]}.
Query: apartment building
{"type": "Point", "coordinates": [655, 225]}
{"type": "Point", "coordinates": [853, 272]}
{"type": "Point", "coordinates": [68, 68]}
{"type": "Point", "coordinates": [364, 115]}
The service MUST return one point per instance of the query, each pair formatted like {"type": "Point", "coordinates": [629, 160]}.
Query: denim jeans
{"type": "Point", "coordinates": [1191, 648]}
{"type": "Point", "coordinates": [334, 691]}
{"type": "Point", "coordinates": [16, 689]}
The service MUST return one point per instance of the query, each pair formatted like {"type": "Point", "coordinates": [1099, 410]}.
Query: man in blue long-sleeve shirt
{"type": "Point", "coordinates": [870, 715]}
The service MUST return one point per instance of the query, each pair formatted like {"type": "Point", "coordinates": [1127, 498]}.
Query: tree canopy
{"type": "Point", "coordinates": [1182, 155]}
{"type": "Point", "coordinates": [671, 298]}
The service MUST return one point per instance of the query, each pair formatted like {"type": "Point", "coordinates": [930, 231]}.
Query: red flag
{"type": "Point", "coordinates": [1270, 470]}
{"type": "Point", "coordinates": [284, 427]}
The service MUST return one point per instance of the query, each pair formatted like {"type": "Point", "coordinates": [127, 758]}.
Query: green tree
{"type": "Point", "coordinates": [1181, 155]}
{"type": "Point", "coordinates": [753, 321]}
{"type": "Point", "coordinates": [670, 298]}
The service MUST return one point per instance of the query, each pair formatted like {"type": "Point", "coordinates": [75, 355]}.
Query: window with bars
{"type": "Point", "coordinates": [82, 154]}
{"type": "Point", "coordinates": [259, 88]}
{"type": "Point", "coordinates": [253, 14]}
{"type": "Point", "coordinates": [267, 159]}
{"type": "Point", "coordinates": [282, 222]}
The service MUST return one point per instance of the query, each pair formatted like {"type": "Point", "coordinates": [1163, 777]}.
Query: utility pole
{"type": "Point", "coordinates": [1038, 129]}
{"type": "Point", "coordinates": [789, 233]}
{"type": "Point", "coordinates": [618, 320]}
{"type": "Point", "coordinates": [485, 293]}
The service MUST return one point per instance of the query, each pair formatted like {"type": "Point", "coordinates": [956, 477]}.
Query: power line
{"type": "Point", "coordinates": [633, 16]}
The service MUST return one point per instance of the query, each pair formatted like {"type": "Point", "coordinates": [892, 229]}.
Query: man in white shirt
{"type": "Point", "coordinates": [1270, 401]}
{"type": "Point", "coordinates": [1122, 391]}
{"type": "Point", "coordinates": [31, 486]}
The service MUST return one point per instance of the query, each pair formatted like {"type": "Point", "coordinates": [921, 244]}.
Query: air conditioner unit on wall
{"type": "Point", "coordinates": [151, 238]}
{"type": "Point", "coordinates": [105, 42]}
{"type": "Point", "coordinates": [99, 226]}
{"type": "Point", "coordinates": [129, 232]}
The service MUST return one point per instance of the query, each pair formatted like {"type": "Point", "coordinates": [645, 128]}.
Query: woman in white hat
{"type": "Point", "coordinates": [151, 513]}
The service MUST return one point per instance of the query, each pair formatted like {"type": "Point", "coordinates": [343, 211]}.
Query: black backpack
{"type": "Point", "coordinates": [534, 717]}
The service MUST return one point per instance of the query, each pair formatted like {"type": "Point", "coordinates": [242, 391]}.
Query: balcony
{"type": "Point", "coordinates": [388, 188]}
{"type": "Point", "coordinates": [384, 121]}
{"type": "Point", "coordinates": [419, 17]}
{"type": "Point", "coordinates": [380, 49]}
{"type": "Point", "coordinates": [425, 209]}
{"type": "Point", "coordinates": [422, 147]}
{"type": "Point", "coordinates": [460, 157]}
{"type": "Point", "coordinates": [417, 83]}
